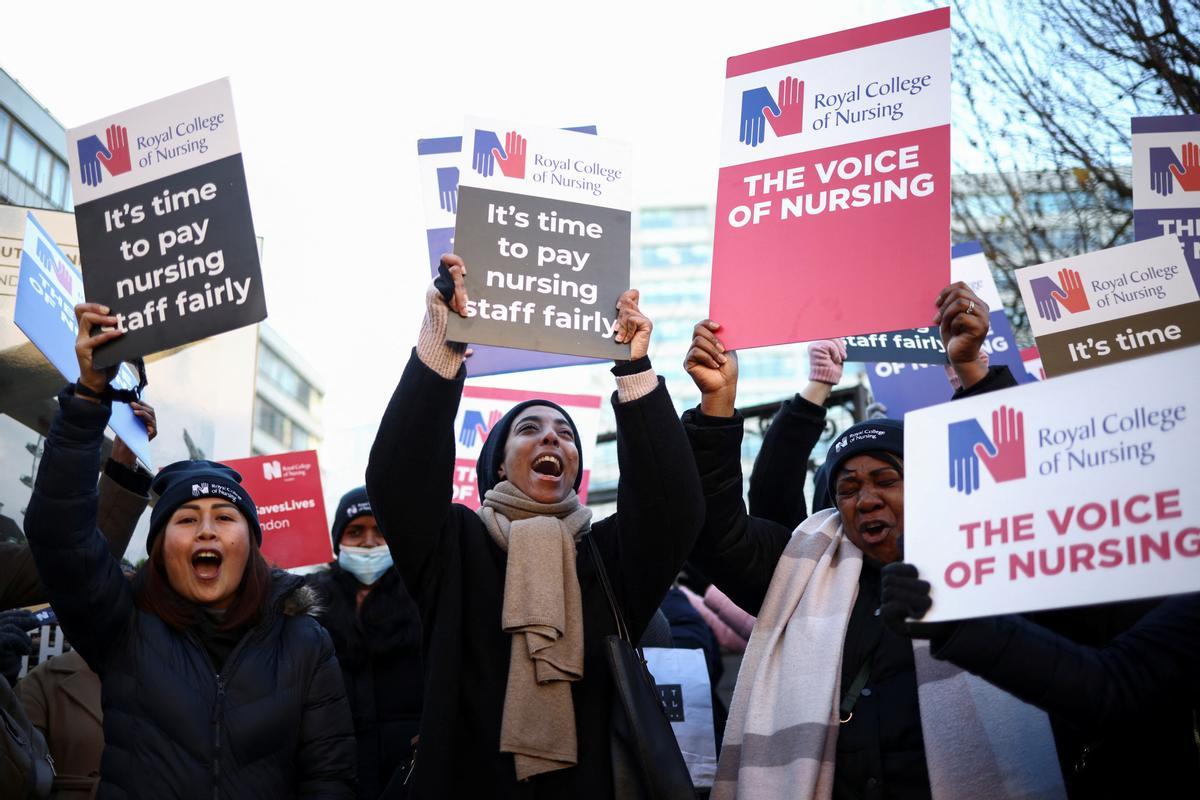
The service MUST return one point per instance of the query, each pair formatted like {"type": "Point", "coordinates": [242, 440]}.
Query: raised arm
{"type": "Point", "coordinates": [777, 480]}
{"type": "Point", "coordinates": [92, 599]}
{"type": "Point", "coordinates": [659, 505]}
{"type": "Point", "coordinates": [410, 474]}
{"type": "Point", "coordinates": [736, 551]}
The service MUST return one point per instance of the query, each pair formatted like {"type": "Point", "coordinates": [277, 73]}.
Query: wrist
{"type": "Point", "coordinates": [817, 391]}
{"type": "Point", "coordinates": [970, 372]}
{"type": "Point", "coordinates": [718, 404]}
{"type": "Point", "coordinates": [87, 390]}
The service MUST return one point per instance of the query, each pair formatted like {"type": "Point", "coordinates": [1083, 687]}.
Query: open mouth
{"type": "Point", "coordinates": [548, 465]}
{"type": "Point", "coordinates": [207, 564]}
{"type": "Point", "coordinates": [874, 532]}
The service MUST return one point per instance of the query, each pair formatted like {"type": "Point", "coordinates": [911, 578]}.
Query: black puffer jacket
{"type": "Point", "coordinates": [379, 651]}
{"type": "Point", "coordinates": [274, 723]}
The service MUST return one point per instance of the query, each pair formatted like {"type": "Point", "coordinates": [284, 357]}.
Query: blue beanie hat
{"type": "Point", "coordinates": [872, 436]}
{"type": "Point", "coordinates": [354, 504]}
{"type": "Point", "coordinates": [491, 457]}
{"type": "Point", "coordinates": [182, 481]}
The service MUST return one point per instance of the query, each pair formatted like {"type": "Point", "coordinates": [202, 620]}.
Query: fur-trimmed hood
{"type": "Point", "coordinates": [294, 597]}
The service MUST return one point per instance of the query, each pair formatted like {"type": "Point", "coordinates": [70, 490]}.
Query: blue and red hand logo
{"type": "Point", "coordinates": [1166, 169]}
{"type": "Point", "coordinates": [114, 157]}
{"type": "Point", "coordinates": [473, 426]}
{"type": "Point", "coordinates": [1003, 454]}
{"type": "Point", "coordinates": [1049, 295]}
{"type": "Point", "coordinates": [487, 152]}
{"type": "Point", "coordinates": [759, 108]}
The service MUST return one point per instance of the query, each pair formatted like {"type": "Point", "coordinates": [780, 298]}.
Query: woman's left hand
{"type": "Point", "coordinates": [633, 327]}
{"type": "Point", "coordinates": [905, 596]}
{"type": "Point", "coordinates": [963, 320]}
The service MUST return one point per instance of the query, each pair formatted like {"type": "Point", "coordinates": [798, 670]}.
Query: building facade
{"type": "Point", "coordinates": [33, 157]}
{"type": "Point", "coordinates": [287, 398]}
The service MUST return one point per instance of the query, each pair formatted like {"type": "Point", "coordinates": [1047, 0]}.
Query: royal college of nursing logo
{"type": "Point", "coordinates": [1003, 454]}
{"type": "Point", "coordinates": [1168, 169]}
{"type": "Point", "coordinates": [784, 111]}
{"type": "Point", "coordinates": [1053, 298]}
{"type": "Point", "coordinates": [113, 156]}
{"type": "Point", "coordinates": [486, 154]}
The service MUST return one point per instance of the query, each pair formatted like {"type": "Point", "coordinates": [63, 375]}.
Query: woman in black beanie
{"type": "Point", "coordinates": [518, 695]}
{"type": "Point", "coordinates": [216, 682]}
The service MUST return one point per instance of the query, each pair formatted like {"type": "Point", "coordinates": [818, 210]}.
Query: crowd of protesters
{"type": "Point", "coordinates": [451, 653]}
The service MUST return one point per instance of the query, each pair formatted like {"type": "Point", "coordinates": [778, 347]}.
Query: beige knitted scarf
{"type": "Point", "coordinates": [543, 610]}
{"type": "Point", "coordinates": [781, 737]}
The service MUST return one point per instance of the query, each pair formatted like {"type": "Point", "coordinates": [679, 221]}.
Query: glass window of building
{"type": "Point", "coordinates": [4, 125]}
{"type": "Point", "coordinates": [269, 419]}
{"type": "Point", "coordinates": [274, 369]}
{"type": "Point", "coordinates": [59, 185]}
{"type": "Point", "coordinates": [22, 153]}
{"type": "Point", "coordinates": [42, 179]}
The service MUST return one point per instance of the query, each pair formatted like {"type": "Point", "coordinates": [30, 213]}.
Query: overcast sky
{"type": "Point", "coordinates": [331, 98]}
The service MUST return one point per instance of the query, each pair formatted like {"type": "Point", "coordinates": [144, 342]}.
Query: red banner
{"type": "Point", "coordinates": [291, 508]}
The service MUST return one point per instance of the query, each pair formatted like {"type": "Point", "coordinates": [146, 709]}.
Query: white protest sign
{"type": "Point", "coordinates": [1111, 305]}
{"type": "Point", "coordinates": [1067, 492]}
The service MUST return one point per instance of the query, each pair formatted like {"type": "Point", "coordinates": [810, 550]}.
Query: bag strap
{"type": "Point", "coordinates": [846, 710]}
{"type": "Point", "coordinates": [622, 630]}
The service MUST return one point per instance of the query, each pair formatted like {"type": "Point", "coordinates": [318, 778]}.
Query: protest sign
{"type": "Point", "coordinates": [164, 222]}
{"type": "Point", "coordinates": [904, 383]}
{"type": "Point", "coordinates": [49, 288]}
{"type": "Point", "coordinates": [1111, 305]}
{"type": "Point", "coordinates": [482, 407]}
{"type": "Point", "coordinates": [1033, 363]}
{"type": "Point", "coordinates": [438, 162]}
{"type": "Point", "coordinates": [833, 200]}
{"type": "Point", "coordinates": [1058, 493]}
{"type": "Point", "coordinates": [291, 508]}
{"type": "Point", "coordinates": [543, 224]}
{"type": "Point", "coordinates": [1166, 182]}
{"type": "Point", "coordinates": [924, 345]}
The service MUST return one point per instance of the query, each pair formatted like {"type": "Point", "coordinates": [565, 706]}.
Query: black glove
{"type": "Point", "coordinates": [14, 640]}
{"type": "Point", "coordinates": [905, 595]}
{"type": "Point", "coordinates": [444, 283]}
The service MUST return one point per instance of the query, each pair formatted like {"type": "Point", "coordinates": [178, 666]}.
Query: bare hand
{"type": "Point", "coordinates": [713, 369]}
{"type": "Point", "coordinates": [633, 327]}
{"type": "Point", "coordinates": [120, 451]}
{"type": "Point", "coordinates": [89, 316]}
{"type": "Point", "coordinates": [963, 321]}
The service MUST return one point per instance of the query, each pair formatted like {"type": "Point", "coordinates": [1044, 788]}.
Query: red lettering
{"type": "Point", "coordinates": [969, 529]}
{"type": "Point", "coordinates": [1167, 504]}
{"type": "Point", "coordinates": [1022, 527]}
{"type": "Point", "coordinates": [1132, 515]}
{"type": "Point", "coordinates": [984, 566]}
{"type": "Point", "coordinates": [1110, 553]}
{"type": "Point", "coordinates": [1023, 563]}
{"type": "Point", "coordinates": [1061, 525]}
{"type": "Point", "coordinates": [1187, 542]}
{"type": "Point", "coordinates": [959, 567]}
{"type": "Point", "coordinates": [1097, 511]}
{"type": "Point", "coordinates": [1081, 556]}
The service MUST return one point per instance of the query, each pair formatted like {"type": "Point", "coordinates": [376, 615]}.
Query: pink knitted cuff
{"type": "Point", "coordinates": [640, 384]}
{"type": "Point", "coordinates": [435, 352]}
{"type": "Point", "coordinates": [830, 374]}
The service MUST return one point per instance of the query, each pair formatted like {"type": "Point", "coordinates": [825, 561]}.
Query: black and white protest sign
{"type": "Point", "coordinates": [543, 226]}
{"type": "Point", "coordinates": [163, 215]}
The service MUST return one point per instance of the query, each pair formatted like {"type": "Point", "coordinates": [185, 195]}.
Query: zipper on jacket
{"type": "Point", "coordinates": [218, 715]}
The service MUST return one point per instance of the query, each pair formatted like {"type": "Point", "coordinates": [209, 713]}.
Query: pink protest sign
{"type": "Point", "coordinates": [833, 200]}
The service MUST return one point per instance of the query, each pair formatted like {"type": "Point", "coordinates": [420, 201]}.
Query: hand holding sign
{"type": "Point", "coordinates": [633, 327]}
{"type": "Point", "coordinates": [1189, 175]}
{"type": "Point", "coordinates": [905, 596]}
{"type": "Point", "coordinates": [963, 321]}
{"type": "Point", "coordinates": [90, 316]}
{"type": "Point", "coordinates": [120, 451]}
{"type": "Point", "coordinates": [450, 283]}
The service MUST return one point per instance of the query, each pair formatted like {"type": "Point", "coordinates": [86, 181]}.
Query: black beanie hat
{"type": "Point", "coordinates": [491, 457]}
{"type": "Point", "coordinates": [353, 504]}
{"type": "Point", "coordinates": [872, 436]}
{"type": "Point", "coordinates": [182, 481]}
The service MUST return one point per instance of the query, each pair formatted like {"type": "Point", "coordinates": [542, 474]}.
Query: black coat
{"type": "Point", "coordinates": [274, 723]}
{"type": "Point", "coordinates": [880, 750]}
{"type": "Point", "coordinates": [379, 652]}
{"type": "Point", "coordinates": [1123, 711]}
{"type": "Point", "coordinates": [456, 574]}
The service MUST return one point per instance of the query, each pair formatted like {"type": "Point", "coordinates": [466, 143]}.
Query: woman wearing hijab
{"type": "Point", "coordinates": [376, 631]}
{"type": "Point", "coordinates": [216, 682]}
{"type": "Point", "coordinates": [518, 694]}
{"type": "Point", "coordinates": [826, 703]}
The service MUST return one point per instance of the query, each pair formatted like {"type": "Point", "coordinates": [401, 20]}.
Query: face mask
{"type": "Point", "coordinates": [365, 563]}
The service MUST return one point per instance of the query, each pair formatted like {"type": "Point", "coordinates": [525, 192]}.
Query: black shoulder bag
{"type": "Point", "coordinates": [646, 761]}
